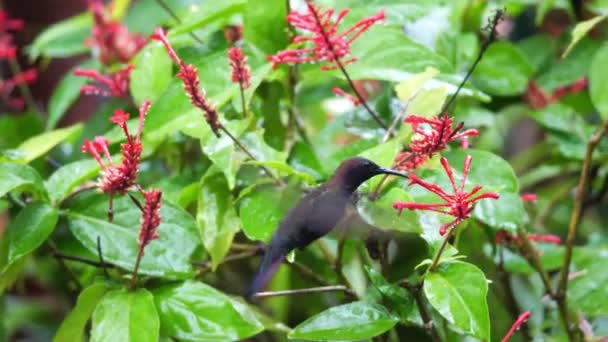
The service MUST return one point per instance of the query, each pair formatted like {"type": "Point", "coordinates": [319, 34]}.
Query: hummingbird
{"type": "Point", "coordinates": [314, 216]}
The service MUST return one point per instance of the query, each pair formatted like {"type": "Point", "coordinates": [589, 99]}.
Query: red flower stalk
{"type": "Point", "coordinates": [115, 84]}
{"type": "Point", "coordinates": [355, 101]}
{"type": "Point", "coordinates": [7, 86]}
{"type": "Point", "coordinates": [110, 39]}
{"type": "Point", "coordinates": [7, 48]}
{"type": "Point", "coordinates": [188, 75]}
{"type": "Point", "coordinates": [460, 204]}
{"type": "Point", "coordinates": [326, 43]}
{"type": "Point", "coordinates": [538, 99]}
{"type": "Point", "coordinates": [529, 197]}
{"type": "Point", "coordinates": [578, 85]}
{"type": "Point", "coordinates": [150, 218]}
{"type": "Point", "coordinates": [8, 24]}
{"type": "Point", "coordinates": [504, 237]}
{"type": "Point", "coordinates": [239, 67]}
{"type": "Point", "coordinates": [433, 135]}
{"type": "Point", "coordinates": [119, 178]}
{"type": "Point", "coordinates": [408, 161]}
{"type": "Point", "coordinates": [518, 323]}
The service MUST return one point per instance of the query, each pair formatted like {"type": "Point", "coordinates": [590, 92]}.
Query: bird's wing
{"type": "Point", "coordinates": [328, 209]}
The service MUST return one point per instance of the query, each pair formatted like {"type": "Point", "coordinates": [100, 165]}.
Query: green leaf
{"type": "Point", "coordinates": [26, 232]}
{"type": "Point", "coordinates": [571, 68]}
{"type": "Point", "coordinates": [66, 93]}
{"type": "Point", "coordinates": [551, 258]}
{"type": "Point", "coordinates": [208, 13]}
{"type": "Point", "coordinates": [353, 321]}
{"type": "Point", "coordinates": [216, 215]}
{"type": "Point", "coordinates": [265, 25]}
{"type": "Point", "coordinates": [588, 292]}
{"type": "Point", "coordinates": [506, 213]}
{"type": "Point", "coordinates": [20, 177]}
{"type": "Point", "coordinates": [167, 256]}
{"type": "Point", "coordinates": [262, 210]}
{"type": "Point", "coordinates": [69, 176]}
{"type": "Point", "coordinates": [284, 168]}
{"type": "Point", "coordinates": [398, 298]}
{"type": "Point", "coordinates": [73, 326]}
{"type": "Point", "coordinates": [380, 213]}
{"type": "Point", "coordinates": [503, 71]}
{"type": "Point", "coordinates": [598, 89]}
{"type": "Point", "coordinates": [195, 311]}
{"type": "Point", "coordinates": [152, 75]}
{"type": "Point", "coordinates": [37, 146]}
{"type": "Point", "coordinates": [487, 169]}
{"type": "Point", "coordinates": [63, 39]}
{"type": "Point", "coordinates": [126, 316]}
{"type": "Point", "coordinates": [458, 290]}
{"type": "Point", "coordinates": [581, 30]}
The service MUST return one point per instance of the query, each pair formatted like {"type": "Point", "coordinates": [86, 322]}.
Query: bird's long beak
{"type": "Point", "coordinates": [393, 172]}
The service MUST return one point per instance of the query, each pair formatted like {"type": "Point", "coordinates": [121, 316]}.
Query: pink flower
{"type": "Point", "coordinates": [518, 323]}
{"type": "Point", "coordinates": [115, 84]}
{"type": "Point", "coordinates": [239, 67]}
{"type": "Point", "coordinates": [460, 204]}
{"type": "Point", "coordinates": [110, 39]}
{"type": "Point", "coordinates": [529, 197]}
{"type": "Point", "coordinates": [326, 43]}
{"type": "Point", "coordinates": [150, 218]}
{"type": "Point", "coordinates": [188, 75]}
{"type": "Point", "coordinates": [342, 93]}
{"type": "Point", "coordinates": [433, 135]}
{"type": "Point", "coordinates": [118, 178]}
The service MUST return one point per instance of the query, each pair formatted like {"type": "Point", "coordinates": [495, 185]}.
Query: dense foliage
{"type": "Point", "coordinates": [240, 107]}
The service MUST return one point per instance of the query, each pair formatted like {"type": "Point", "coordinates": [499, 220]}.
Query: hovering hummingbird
{"type": "Point", "coordinates": [315, 215]}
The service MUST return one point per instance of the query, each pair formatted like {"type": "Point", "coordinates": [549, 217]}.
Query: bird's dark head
{"type": "Point", "coordinates": [354, 171]}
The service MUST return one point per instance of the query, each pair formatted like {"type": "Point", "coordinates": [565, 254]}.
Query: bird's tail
{"type": "Point", "coordinates": [269, 265]}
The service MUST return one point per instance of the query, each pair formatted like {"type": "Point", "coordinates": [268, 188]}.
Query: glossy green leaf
{"type": "Point", "coordinates": [354, 321]}
{"type": "Point", "coordinates": [380, 213]}
{"type": "Point", "coordinates": [20, 177]}
{"type": "Point", "coordinates": [152, 75]}
{"type": "Point", "coordinates": [265, 25]}
{"type": "Point", "coordinates": [597, 81]}
{"type": "Point", "coordinates": [73, 326]}
{"type": "Point", "coordinates": [26, 232]}
{"type": "Point", "coordinates": [550, 255]}
{"type": "Point", "coordinates": [167, 256]}
{"type": "Point", "coordinates": [506, 213]}
{"type": "Point", "coordinates": [503, 71]}
{"type": "Point", "coordinates": [195, 311]}
{"type": "Point", "coordinates": [17, 128]}
{"type": "Point", "coordinates": [37, 146]}
{"type": "Point", "coordinates": [284, 168]}
{"type": "Point", "coordinates": [397, 298]}
{"type": "Point", "coordinates": [68, 177]}
{"type": "Point", "coordinates": [487, 169]}
{"type": "Point", "coordinates": [580, 30]}
{"type": "Point", "coordinates": [458, 290]}
{"type": "Point", "coordinates": [207, 13]}
{"type": "Point", "coordinates": [571, 68]}
{"type": "Point", "coordinates": [123, 315]}
{"type": "Point", "coordinates": [587, 292]}
{"type": "Point", "coordinates": [216, 215]}
{"type": "Point", "coordinates": [66, 93]}
{"type": "Point", "coordinates": [63, 39]}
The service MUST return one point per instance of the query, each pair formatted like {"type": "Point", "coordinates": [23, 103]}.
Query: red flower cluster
{"type": "Point", "coordinates": [430, 136]}
{"type": "Point", "coordinates": [504, 237]}
{"type": "Point", "coordinates": [188, 75]}
{"type": "Point", "coordinates": [327, 44]}
{"type": "Point", "coordinates": [110, 39]}
{"type": "Point", "coordinates": [115, 84]}
{"type": "Point", "coordinates": [240, 69]}
{"type": "Point", "coordinates": [518, 323]}
{"type": "Point", "coordinates": [355, 101]}
{"type": "Point", "coordinates": [538, 99]}
{"type": "Point", "coordinates": [233, 33]}
{"type": "Point", "coordinates": [8, 51]}
{"type": "Point", "coordinates": [150, 218]}
{"type": "Point", "coordinates": [118, 178]}
{"type": "Point", "coordinates": [459, 205]}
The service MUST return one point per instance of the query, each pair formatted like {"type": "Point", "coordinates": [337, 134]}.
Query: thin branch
{"type": "Point", "coordinates": [491, 38]}
{"type": "Point", "coordinates": [416, 291]}
{"type": "Point", "coordinates": [242, 90]}
{"type": "Point", "coordinates": [444, 243]}
{"type": "Point", "coordinates": [511, 303]}
{"type": "Point", "coordinates": [173, 15]}
{"type": "Point", "coordinates": [399, 117]}
{"type": "Point", "coordinates": [140, 255]}
{"type": "Point", "coordinates": [308, 273]}
{"type": "Point", "coordinates": [234, 257]}
{"type": "Point", "coordinates": [85, 261]}
{"type": "Point", "coordinates": [136, 201]}
{"type": "Point", "coordinates": [100, 255]}
{"type": "Point", "coordinates": [24, 89]}
{"type": "Point", "coordinates": [63, 265]}
{"type": "Point", "coordinates": [331, 288]}
{"type": "Point", "coordinates": [340, 66]}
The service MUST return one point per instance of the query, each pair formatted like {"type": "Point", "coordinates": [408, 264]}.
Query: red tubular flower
{"type": "Point", "coordinates": [529, 197]}
{"type": "Point", "coordinates": [433, 135]}
{"type": "Point", "coordinates": [110, 39]}
{"type": "Point", "coordinates": [119, 178]}
{"type": "Point", "coordinates": [518, 323]}
{"type": "Point", "coordinates": [8, 24]}
{"type": "Point", "coordinates": [7, 86]}
{"type": "Point", "coordinates": [578, 85]}
{"type": "Point", "coordinates": [239, 67]}
{"type": "Point", "coordinates": [188, 75]}
{"type": "Point", "coordinates": [408, 161]}
{"type": "Point", "coordinates": [150, 218]}
{"type": "Point", "coordinates": [342, 93]}
{"type": "Point", "coordinates": [7, 48]}
{"type": "Point", "coordinates": [460, 204]}
{"type": "Point", "coordinates": [504, 237]}
{"type": "Point", "coordinates": [115, 84]}
{"type": "Point", "coordinates": [327, 44]}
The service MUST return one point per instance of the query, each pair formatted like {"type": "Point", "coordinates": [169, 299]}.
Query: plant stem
{"type": "Point", "coordinates": [511, 303]}
{"type": "Point", "coordinates": [100, 255]}
{"type": "Point", "coordinates": [340, 66]}
{"type": "Point", "coordinates": [23, 87]}
{"type": "Point", "coordinates": [308, 273]}
{"type": "Point", "coordinates": [78, 259]}
{"type": "Point", "coordinates": [444, 243]}
{"type": "Point", "coordinates": [140, 254]}
{"type": "Point", "coordinates": [416, 291]}
{"type": "Point", "coordinates": [243, 99]}
{"type": "Point", "coordinates": [173, 15]}
{"type": "Point", "coordinates": [331, 288]}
